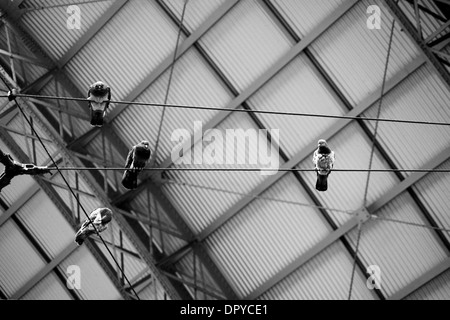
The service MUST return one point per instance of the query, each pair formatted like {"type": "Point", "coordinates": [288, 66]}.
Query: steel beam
{"type": "Point", "coordinates": [183, 48]}
{"type": "Point", "coordinates": [25, 59]}
{"type": "Point", "coordinates": [45, 271]}
{"type": "Point", "coordinates": [98, 189]}
{"type": "Point", "coordinates": [305, 152]}
{"type": "Point", "coordinates": [422, 280]}
{"type": "Point", "coordinates": [372, 209]}
{"type": "Point", "coordinates": [409, 181]}
{"type": "Point", "coordinates": [91, 32]}
{"type": "Point", "coordinates": [19, 203]}
{"type": "Point", "coordinates": [57, 201]}
{"type": "Point", "coordinates": [161, 68]}
{"type": "Point", "coordinates": [257, 84]}
{"type": "Point", "coordinates": [302, 259]}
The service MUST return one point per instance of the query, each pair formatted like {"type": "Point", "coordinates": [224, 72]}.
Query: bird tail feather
{"type": "Point", "coordinates": [322, 182]}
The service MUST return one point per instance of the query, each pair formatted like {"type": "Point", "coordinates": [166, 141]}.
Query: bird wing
{"type": "Point", "coordinates": [315, 157]}
{"type": "Point", "coordinates": [129, 158]}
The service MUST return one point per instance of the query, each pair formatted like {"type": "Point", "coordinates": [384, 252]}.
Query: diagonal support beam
{"type": "Point", "coordinates": [270, 73]}
{"type": "Point", "coordinates": [422, 280]}
{"type": "Point", "coordinates": [19, 203]}
{"type": "Point", "coordinates": [383, 200]}
{"type": "Point", "coordinates": [155, 74]}
{"type": "Point", "coordinates": [258, 83]}
{"type": "Point", "coordinates": [90, 180]}
{"type": "Point", "coordinates": [45, 271]}
{"type": "Point", "coordinates": [25, 59]}
{"type": "Point", "coordinates": [91, 32]}
{"type": "Point", "coordinates": [409, 181]}
{"type": "Point", "coordinates": [305, 152]}
{"type": "Point", "coordinates": [301, 260]}
{"type": "Point", "coordinates": [62, 207]}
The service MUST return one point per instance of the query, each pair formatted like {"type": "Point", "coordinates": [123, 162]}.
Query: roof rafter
{"type": "Point", "coordinates": [162, 67]}
{"type": "Point", "coordinates": [348, 226]}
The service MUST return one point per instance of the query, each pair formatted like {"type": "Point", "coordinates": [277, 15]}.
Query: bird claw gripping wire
{"type": "Point", "coordinates": [14, 168]}
{"type": "Point", "coordinates": [12, 94]}
{"type": "Point", "coordinates": [32, 169]}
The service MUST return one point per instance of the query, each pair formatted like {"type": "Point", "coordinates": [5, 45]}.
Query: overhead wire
{"type": "Point", "coordinates": [246, 169]}
{"type": "Point", "coordinates": [292, 202]}
{"type": "Point", "coordinates": [255, 196]}
{"type": "Point", "coordinates": [67, 183]}
{"type": "Point", "coordinates": [166, 105]}
{"type": "Point", "coordinates": [259, 111]}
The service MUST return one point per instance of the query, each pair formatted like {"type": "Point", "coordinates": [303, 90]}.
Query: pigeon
{"type": "Point", "coordinates": [137, 159]}
{"type": "Point", "coordinates": [323, 160]}
{"type": "Point", "coordinates": [98, 220]}
{"type": "Point", "coordinates": [99, 96]}
{"type": "Point", "coordinates": [14, 168]}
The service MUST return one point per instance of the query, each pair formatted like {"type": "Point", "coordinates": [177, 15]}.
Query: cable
{"type": "Point", "coordinates": [70, 188]}
{"type": "Point", "coordinates": [256, 196]}
{"type": "Point", "coordinates": [172, 66]}
{"type": "Point", "coordinates": [249, 169]}
{"type": "Point", "coordinates": [354, 260]}
{"type": "Point", "coordinates": [360, 225]}
{"type": "Point", "coordinates": [375, 217]}
{"type": "Point", "coordinates": [282, 113]}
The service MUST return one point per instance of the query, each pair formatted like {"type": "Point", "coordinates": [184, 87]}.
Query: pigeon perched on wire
{"type": "Point", "coordinates": [14, 168]}
{"type": "Point", "coordinates": [99, 97]}
{"type": "Point", "coordinates": [137, 159]}
{"type": "Point", "coordinates": [323, 160]}
{"type": "Point", "coordinates": [97, 222]}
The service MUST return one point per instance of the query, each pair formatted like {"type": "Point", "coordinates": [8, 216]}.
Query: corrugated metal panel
{"type": "Point", "coordinates": [403, 252]}
{"type": "Point", "coordinates": [201, 207]}
{"type": "Point", "coordinates": [305, 15]}
{"type": "Point", "coordinates": [297, 88]}
{"type": "Point", "coordinates": [197, 11]}
{"type": "Point", "coordinates": [354, 56]}
{"type": "Point", "coordinates": [49, 288]}
{"type": "Point", "coordinates": [95, 284]}
{"type": "Point", "coordinates": [274, 233]}
{"type": "Point", "coordinates": [49, 26]}
{"type": "Point", "coordinates": [250, 42]}
{"type": "Point", "coordinates": [433, 191]}
{"type": "Point", "coordinates": [19, 185]}
{"type": "Point", "coordinates": [346, 188]}
{"type": "Point", "coordinates": [19, 261]}
{"type": "Point", "coordinates": [326, 277]}
{"type": "Point", "coordinates": [46, 223]}
{"type": "Point", "coordinates": [422, 97]}
{"type": "Point", "coordinates": [436, 289]}
{"type": "Point", "coordinates": [193, 83]}
{"type": "Point", "coordinates": [128, 54]}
